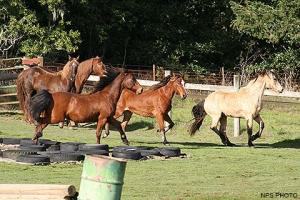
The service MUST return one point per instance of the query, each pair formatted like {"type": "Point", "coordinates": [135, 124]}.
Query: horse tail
{"type": "Point", "coordinates": [199, 115]}
{"type": "Point", "coordinates": [39, 103]}
{"type": "Point", "coordinates": [21, 91]}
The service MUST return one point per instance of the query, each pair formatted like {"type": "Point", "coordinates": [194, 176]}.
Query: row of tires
{"type": "Point", "coordinates": [48, 151]}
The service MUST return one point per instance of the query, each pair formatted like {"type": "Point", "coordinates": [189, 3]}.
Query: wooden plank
{"type": "Point", "coordinates": [37, 191]}
{"type": "Point", "coordinates": [9, 103]}
{"type": "Point", "coordinates": [8, 95]}
{"type": "Point", "coordinates": [13, 68]}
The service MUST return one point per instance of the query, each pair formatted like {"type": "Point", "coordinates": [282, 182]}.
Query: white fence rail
{"type": "Point", "coordinates": [191, 86]}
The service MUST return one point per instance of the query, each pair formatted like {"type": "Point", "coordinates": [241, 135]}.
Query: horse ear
{"type": "Point", "coordinates": [69, 57]}
{"type": "Point", "coordinates": [77, 58]}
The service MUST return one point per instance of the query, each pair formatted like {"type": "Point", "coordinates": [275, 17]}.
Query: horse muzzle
{"type": "Point", "coordinates": [184, 97]}
{"type": "Point", "coordinates": [139, 91]}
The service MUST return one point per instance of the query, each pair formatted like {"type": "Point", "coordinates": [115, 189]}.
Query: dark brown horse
{"type": "Point", "coordinates": [35, 79]}
{"type": "Point", "coordinates": [155, 102]}
{"type": "Point", "coordinates": [86, 68]}
{"type": "Point", "coordinates": [96, 107]}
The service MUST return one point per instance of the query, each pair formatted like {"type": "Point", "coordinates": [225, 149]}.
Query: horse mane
{"type": "Point", "coordinates": [162, 83]}
{"type": "Point", "coordinates": [112, 73]}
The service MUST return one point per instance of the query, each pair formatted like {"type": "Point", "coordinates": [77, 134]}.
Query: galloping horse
{"type": "Point", "coordinates": [154, 102]}
{"type": "Point", "coordinates": [99, 106]}
{"type": "Point", "coordinates": [35, 79]}
{"type": "Point", "coordinates": [86, 68]}
{"type": "Point", "coordinates": [246, 103]}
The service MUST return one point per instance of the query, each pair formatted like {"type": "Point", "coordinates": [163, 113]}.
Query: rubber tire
{"type": "Point", "coordinates": [1, 140]}
{"type": "Point", "coordinates": [130, 148]}
{"type": "Point", "coordinates": [150, 152]}
{"type": "Point", "coordinates": [26, 142]}
{"type": "Point", "coordinates": [11, 141]}
{"type": "Point", "coordinates": [170, 151]}
{"type": "Point", "coordinates": [95, 152]}
{"type": "Point", "coordinates": [13, 154]}
{"type": "Point", "coordinates": [64, 156]}
{"type": "Point", "coordinates": [47, 143]}
{"type": "Point", "coordinates": [33, 147]}
{"type": "Point", "coordinates": [130, 154]}
{"type": "Point", "coordinates": [87, 147]}
{"type": "Point", "coordinates": [33, 159]}
{"type": "Point", "coordinates": [68, 147]}
{"type": "Point", "coordinates": [55, 147]}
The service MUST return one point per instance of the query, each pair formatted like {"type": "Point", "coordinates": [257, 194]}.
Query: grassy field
{"type": "Point", "coordinates": [210, 171]}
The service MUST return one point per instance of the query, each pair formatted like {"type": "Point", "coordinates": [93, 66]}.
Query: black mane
{"type": "Point", "coordinates": [162, 83]}
{"type": "Point", "coordinates": [112, 73]}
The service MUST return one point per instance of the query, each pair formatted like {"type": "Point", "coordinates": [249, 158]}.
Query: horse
{"type": "Point", "coordinates": [98, 106]}
{"type": "Point", "coordinates": [35, 79]}
{"type": "Point", "coordinates": [154, 102]}
{"type": "Point", "coordinates": [245, 103]}
{"type": "Point", "coordinates": [86, 68]}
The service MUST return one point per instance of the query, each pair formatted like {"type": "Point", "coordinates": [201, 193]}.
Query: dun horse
{"type": "Point", "coordinates": [35, 79]}
{"type": "Point", "coordinates": [86, 68]}
{"type": "Point", "coordinates": [96, 107]}
{"type": "Point", "coordinates": [246, 103]}
{"type": "Point", "coordinates": [155, 102]}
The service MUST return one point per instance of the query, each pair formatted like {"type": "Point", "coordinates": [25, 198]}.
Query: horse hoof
{"type": "Point", "coordinates": [231, 144]}
{"type": "Point", "coordinates": [250, 144]}
{"type": "Point", "coordinates": [61, 124]}
{"type": "Point", "coordinates": [105, 135]}
{"type": "Point", "coordinates": [126, 142]}
{"type": "Point", "coordinates": [166, 143]}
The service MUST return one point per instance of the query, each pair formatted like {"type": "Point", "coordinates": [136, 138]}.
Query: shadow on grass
{"type": "Point", "coordinates": [187, 145]}
{"type": "Point", "coordinates": [130, 127]}
{"type": "Point", "coordinates": [293, 144]}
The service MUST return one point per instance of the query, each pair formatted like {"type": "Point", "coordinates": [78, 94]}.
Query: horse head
{"type": "Point", "coordinates": [73, 66]}
{"type": "Point", "coordinates": [178, 85]}
{"type": "Point", "coordinates": [271, 81]}
{"type": "Point", "coordinates": [131, 83]}
{"type": "Point", "coordinates": [99, 67]}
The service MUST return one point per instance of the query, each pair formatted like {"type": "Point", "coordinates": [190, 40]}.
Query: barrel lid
{"type": "Point", "coordinates": [106, 157]}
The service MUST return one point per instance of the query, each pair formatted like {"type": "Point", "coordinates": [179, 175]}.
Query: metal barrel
{"type": "Point", "coordinates": [102, 178]}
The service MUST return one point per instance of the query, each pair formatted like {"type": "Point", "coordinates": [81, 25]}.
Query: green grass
{"type": "Point", "coordinates": [210, 171]}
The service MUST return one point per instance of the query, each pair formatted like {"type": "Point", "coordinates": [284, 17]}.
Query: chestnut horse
{"type": "Point", "coordinates": [35, 79]}
{"type": "Point", "coordinates": [86, 68]}
{"type": "Point", "coordinates": [246, 103]}
{"type": "Point", "coordinates": [96, 107]}
{"type": "Point", "coordinates": [155, 102]}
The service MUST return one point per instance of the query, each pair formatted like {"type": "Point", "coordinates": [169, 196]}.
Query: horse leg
{"type": "Point", "coordinates": [127, 116]}
{"type": "Point", "coordinates": [160, 121]}
{"type": "Point", "coordinates": [170, 122]}
{"type": "Point", "coordinates": [259, 120]}
{"type": "Point", "coordinates": [38, 132]}
{"type": "Point", "coordinates": [214, 125]}
{"type": "Point", "coordinates": [222, 131]}
{"type": "Point", "coordinates": [100, 124]}
{"type": "Point", "coordinates": [249, 131]}
{"type": "Point", "coordinates": [117, 125]}
{"type": "Point", "coordinates": [106, 133]}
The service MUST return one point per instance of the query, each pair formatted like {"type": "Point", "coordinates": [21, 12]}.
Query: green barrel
{"type": "Point", "coordinates": [102, 178]}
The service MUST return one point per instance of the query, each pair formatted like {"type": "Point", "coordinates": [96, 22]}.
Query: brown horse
{"type": "Point", "coordinates": [86, 68]}
{"type": "Point", "coordinates": [35, 79]}
{"type": "Point", "coordinates": [155, 102]}
{"type": "Point", "coordinates": [96, 107]}
{"type": "Point", "coordinates": [246, 103]}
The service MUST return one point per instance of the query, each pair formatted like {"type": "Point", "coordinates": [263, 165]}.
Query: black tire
{"type": "Point", "coordinates": [87, 147]}
{"type": "Point", "coordinates": [1, 140]}
{"type": "Point", "coordinates": [69, 147]}
{"type": "Point", "coordinates": [1, 154]}
{"type": "Point", "coordinates": [33, 159]}
{"type": "Point", "coordinates": [64, 156]}
{"type": "Point", "coordinates": [11, 140]}
{"type": "Point", "coordinates": [170, 151]}
{"type": "Point", "coordinates": [26, 142]}
{"type": "Point", "coordinates": [13, 154]}
{"type": "Point", "coordinates": [150, 152]}
{"type": "Point", "coordinates": [129, 148]}
{"type": "Point", "coordinates": [95, 152]}
{"type": "Point", "coordinates": [33, 147]}
{"type": "Point", "coordinates": [130, 154]}
{"type": "Point", "coordinates": [47, 143]}
{"type": "Point", "coordinates": [55, 147]}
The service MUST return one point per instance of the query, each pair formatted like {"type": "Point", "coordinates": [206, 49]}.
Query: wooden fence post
{"type": "Point", "coordinates": [153, 72]}
{"type": "Point", "coordinates": [236, 121]}
{"type": "Point", "coordinates": [223, 75]}
{"type": "Point", "coordinates": [167, 73]}
{"type": "Point", "coordinates": [41, 61]}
